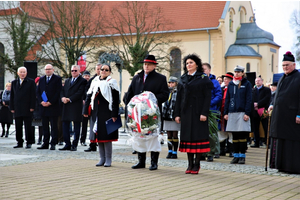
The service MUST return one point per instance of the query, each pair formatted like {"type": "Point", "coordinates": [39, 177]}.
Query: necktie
{"type": "Point", "coordinates": [73, 79]}
{"type": "Point", "coordinates": [21, 81]}
{"type": "Point", "coordinates": [48, 79]}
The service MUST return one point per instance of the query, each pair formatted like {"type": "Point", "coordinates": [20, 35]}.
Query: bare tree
{"type": "Point", "coordinates": [71, 29]}
{"type": "Point", "coordinates": [295, 23]}
{"type": "Point", "coordinates": [135, 29]}
{"type": "Point", "coordinates": [17, 25]}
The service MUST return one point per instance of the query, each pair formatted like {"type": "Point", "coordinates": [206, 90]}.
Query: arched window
{"type": "Point", "coordinates": [243, 13]}
{"type": "Point", "coordinates": [231, 13]}
{"type": "Point", "coordinates": [248, 67]}
{"type": "Point", "coordinates": [2, 68]}
{"type": "Point", "coordinates": [175, 63]}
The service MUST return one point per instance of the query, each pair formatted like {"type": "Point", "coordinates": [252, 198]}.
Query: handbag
{"type": "Point", "coordinates": [236, 123]}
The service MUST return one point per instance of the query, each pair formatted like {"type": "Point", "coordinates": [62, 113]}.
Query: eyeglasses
{"type": "Point", "coordinates": [74, 70]}
{"type": "Point", "coordinates": [48, 69]}
{"type": "Point", "coordinates": [107, 70]}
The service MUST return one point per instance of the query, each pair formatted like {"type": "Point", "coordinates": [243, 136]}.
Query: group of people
{"type": "Point", "coordinates": [185, 104]}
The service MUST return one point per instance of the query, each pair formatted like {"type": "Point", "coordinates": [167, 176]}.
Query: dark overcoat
{"type": "Point", "coordinates": [52, 90]}
{"type": "Point", "coordinates": [72, 111]}
{"type": "Point", "coordinates": [5, 115]}
{"type": "Point", "coordinates": [22, 97]}
{"type": "Point", "coordinates": [193, 100]}
{"type": "Point", "coordinates": [286, 107]}
{"type": "Point", "coordinates": [101, 109]}
{"type": "Point", "coordinates": [155, 83]}
{"type": "Point", "coordinates": [262, 97]}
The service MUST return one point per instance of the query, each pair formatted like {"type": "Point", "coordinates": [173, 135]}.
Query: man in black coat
{"type": "Point", "coordinates": [149, 80]}
{"type": "Point", "coordinates": [285, 119]}
{"type": "Point", "coordinates": [22, 104]}
{"type": "Point", "coordinates": [71, 96]}
{"type": "Point", "coordinates": [50, 87]}
{"type": "Point", "coordinates": [261, 100]}
{"type": "Point", "coordinates": [93, 145]}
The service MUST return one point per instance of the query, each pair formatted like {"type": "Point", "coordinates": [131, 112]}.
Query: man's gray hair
{"type": "Point", "coordinates": [77, 66]}
{"type": "Point", "coordinates": [22, 68]}
{"type": "Point", "coordinates": [98, 64]}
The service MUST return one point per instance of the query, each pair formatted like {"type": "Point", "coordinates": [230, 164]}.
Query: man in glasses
{"type": "Point", "coordinates": [71, 97]}
{"type": "Point", "coordinates": [48, 95]}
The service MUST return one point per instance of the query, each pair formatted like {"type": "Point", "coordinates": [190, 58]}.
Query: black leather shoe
{"type": "Point", "coordinates": [242, 161]}
{"type": "Point", "coordinates": [73, 149]}
{"type": "Point", "coordinates": [134, 152]}
{"type": "Point", "coordinates": [174, 156]}
{"type": "Point", "coordinates": [28, 146]}
{"type": "Point", "coordinates": [18, 146]}
{"type": "Point", "coordinates": [90, 149]}
{"type": "Point", "coordinates": [210, 159]}
{"type": "Point", "coordinates": [44, 146]}
{"type": "Point", "coordinates": [65, 148]}
{"type": "Point", "coordinates": [234, 160]}
{"type": "Point", "coordinates": [169, 155]}
{"type": "Point", "coordinates": [52, 147]}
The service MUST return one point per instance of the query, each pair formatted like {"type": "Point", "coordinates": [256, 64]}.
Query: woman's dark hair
{"type": "Point", "coordinates": [196, 59]}
{"type": "Point", "coordinates": [107, 66]}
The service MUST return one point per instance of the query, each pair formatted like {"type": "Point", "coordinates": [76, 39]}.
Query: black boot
{"type": "Point", "coordinates": [142, 161]}
{"type": "Point", "coordinates": [3, 133]}
{"type": "Point", "coordinates": [222, 148]}
{"type": "Point", "coordinates": [7, 133]}
{"type": "Point", "coordinates": [154, 160]}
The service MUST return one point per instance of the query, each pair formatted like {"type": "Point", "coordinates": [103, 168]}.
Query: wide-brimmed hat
{"type": "Point", "coordinates": [239, 68]}
{"type": "Point", "coordinates": [173, 79]}
{"type": "Point", "coordinates": [228, 75]}
{"type": "Point", "coordinates": [150, 59]}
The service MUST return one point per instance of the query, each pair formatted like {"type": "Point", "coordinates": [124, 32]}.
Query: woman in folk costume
{"type": "Point", "coordinates": [169, 124]}
{"type": "Point", "coordinates": [237, 112]}
{"type": "Point", "coordinates": [191, 110]}
{"type": "Point", "coordinates": [103, 98]}
{"type": "Point", "coordinates": [6, 117]}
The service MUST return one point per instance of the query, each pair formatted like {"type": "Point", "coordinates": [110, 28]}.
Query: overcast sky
{"type": "Point", "coordinates": [274, 17]}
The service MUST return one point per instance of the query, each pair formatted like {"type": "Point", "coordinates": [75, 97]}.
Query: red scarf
{"type": "Point", "coordinates": [237, 79]}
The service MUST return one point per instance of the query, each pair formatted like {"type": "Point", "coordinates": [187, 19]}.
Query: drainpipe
{"type": "Point", "coordinates": [208, 46]}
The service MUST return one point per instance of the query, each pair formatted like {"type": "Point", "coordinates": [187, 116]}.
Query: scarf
{"type": "Point", "coordinates": [104, 86]}
{"type": "Point", "coordinates": [237, 80]}
{"type": "Point", "coordinates": [6, 95]}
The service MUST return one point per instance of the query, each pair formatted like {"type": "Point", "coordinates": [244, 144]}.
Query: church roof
{"type": "Point", "coordinates": [241, 50]}
{"type": "Point", "coordinates": [250, 33]}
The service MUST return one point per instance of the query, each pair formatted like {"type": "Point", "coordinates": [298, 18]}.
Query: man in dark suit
{"type": "Point", "coordinates": [261, 96]}
{"type": "Point", "coordinates": [71, 96]}
{"type": "Point", "coordinates": [149, 80]}
{"type": "Point", "coordinates": [22, 104]}
{"type": "Point", "coordinates": [50, 85]}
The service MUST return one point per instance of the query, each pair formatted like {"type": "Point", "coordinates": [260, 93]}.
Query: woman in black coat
{"type": "Point", "coordinates": [6, 117]}
{"type": "Point", "coordinates": [103, 98]}
{"type": "Point", "coordinates": [192, 109]}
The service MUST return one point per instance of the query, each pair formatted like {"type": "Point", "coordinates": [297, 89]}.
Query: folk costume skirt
{"type": "Point", "coordinates": [201, 146]}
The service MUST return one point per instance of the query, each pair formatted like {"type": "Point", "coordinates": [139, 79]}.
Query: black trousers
{"type": "Point", "coordinates": [29, 136]}
{"type": "Point", "coordinates": [46, 131]}
{"type": "Point", "coordinates": [240, 142]}
{"type": "Point", "coordinates": [85, 121]}
{"type": "Point", "coordinates": [256, 121]}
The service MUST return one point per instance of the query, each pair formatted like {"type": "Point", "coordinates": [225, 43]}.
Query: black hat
{"type": "Point", "coordinates": [150, 59]}
{"type": "Point", "coordinates": [288, 56]}
{"type": "Point", "coordinates": [228, 75]}
{"type": "Point", "coordinates": [274, 84]}
{"type": "Point", "coordinates": [86, 73]}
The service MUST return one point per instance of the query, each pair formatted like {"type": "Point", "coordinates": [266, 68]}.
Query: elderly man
{"type": "Point", "coordinates": [71, 96]}
{"type": "Point", "coordinates": [285, 120]}
{"type": "Point", "coordinates": [49, 86]}
{"type": "Point", "coordinates": [261, 100]}
{"type": "Point", "coordinates": [22, 104]}
{"type": "Point", "coordinates": [149, 80]}
{"type": "Point", "coordinates": [92, 146]}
